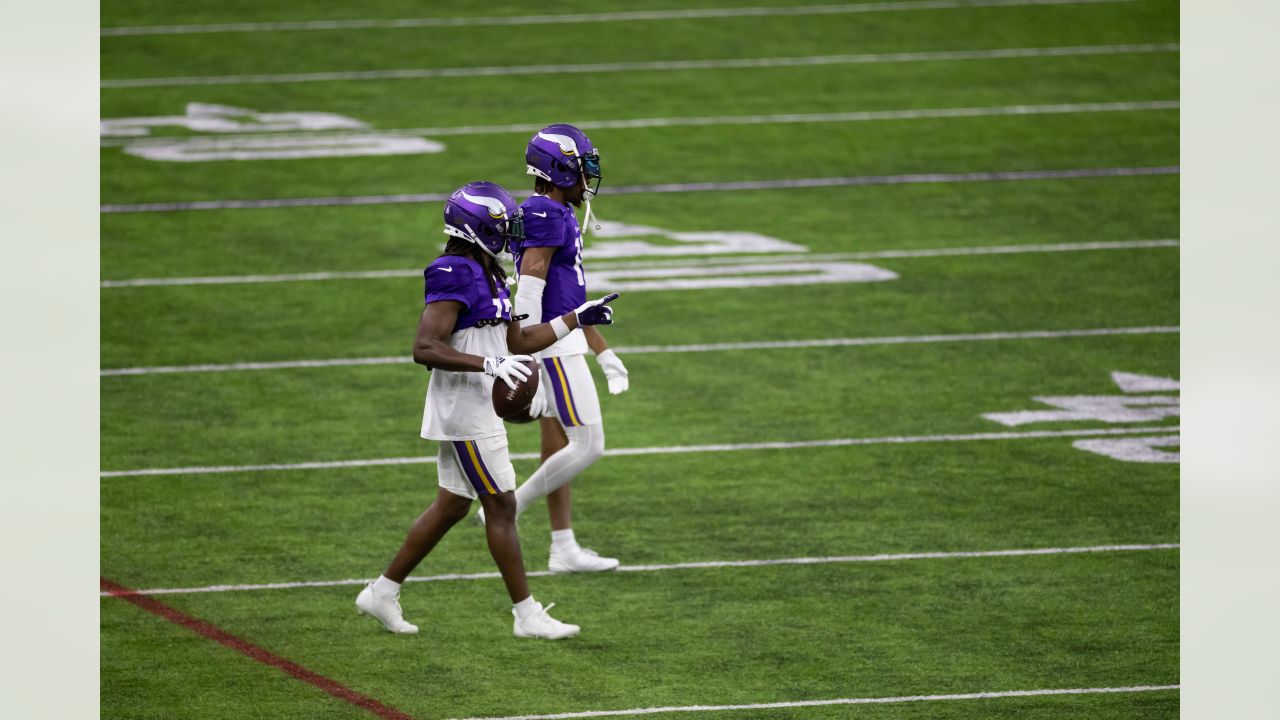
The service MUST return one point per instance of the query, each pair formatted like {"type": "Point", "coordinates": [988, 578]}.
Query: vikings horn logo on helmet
{"type": "Point", "coordinates": [566, 143]}
{"type": "Point", "coordinates": [495, 206]}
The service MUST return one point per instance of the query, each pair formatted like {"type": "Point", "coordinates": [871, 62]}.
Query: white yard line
{"type": "Point", "coordinates": [643, 349]}
{"type": "Point", "coordinates": [604, 266]}
{"type": "Point", "coordinates": [710, 121]}
{"type": "Point", "coordinates": [840, 701]}
{"type": "Point", "coordinates": [576, 18]}
{"type": "Point", "coordinates": [778, 184]}
{"type": "Point", "coordinates": [642, 66]}
{"type": "Point", "coordinates": [883, 557]}
{"type": "Point", "coordinates": [668, 450]}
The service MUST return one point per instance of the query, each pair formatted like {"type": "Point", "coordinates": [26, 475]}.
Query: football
{"type": "Point", "coordinates": [512, 404]}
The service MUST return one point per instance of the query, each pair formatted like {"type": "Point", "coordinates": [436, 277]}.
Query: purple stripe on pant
{"type": "Point", "coordinates": [562, 393]}
{"type": "Point", "coordinates": [468, 467]}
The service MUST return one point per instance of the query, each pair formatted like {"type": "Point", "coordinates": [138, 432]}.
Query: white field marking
{"type": "Point", "coordinates": [575, 18]}
{"type": "Point", "coordinates": [703, 277]}
{"type": "Point", "coordinates": [883, 557]}
{"type": "Point", "coordinates": [669, 450]}
{"type": "Point", "coordinates": [840, 701]}
{"type": "Point", "coordinates": [894, 254]}
{"type": "Point", "coordinates": [291, 147]}
{"type": "Point", "coordinates": [779, 184]}
{"type": "Point", "coordinates": [226, 119]}
{"type": "Point", "coordinates": [605, 268]}
{"type": "Point", "coordinates": [718, 120]}
{"type": "Point", "coordinates": [649, 349]}
{"type": "Point", "coordinates": [642, 66]}
{"type": "Point", "coordinates": [1133, 383]}
{"type": "Point", "coordinates": [1141, 450]}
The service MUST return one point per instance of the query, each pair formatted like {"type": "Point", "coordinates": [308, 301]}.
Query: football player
{"type": "Point", "coordinates": [465, 336]}
{"type": "Point", "coordinates": [566, 170]}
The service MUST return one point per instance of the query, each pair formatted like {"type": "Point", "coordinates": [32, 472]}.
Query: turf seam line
{"type": "Point", "coordinates": [778, 184]}
{"type": "Point", "coordinates": [576, 18]}
{"type": "Point", "coordinates": [841, 701]}
{"type": "Point", "coordinates": [621, 268]}
{"type": "Point", "coordinates": [667, 450]}
{"type": "Point", "coordinates": [838, 559]}
{"type": "Point", "coordinates": [254, 652]}
{"type": "Point", "coordinates": [643, 66]}
{"type": "Point", "coordinates": [663, 349]}
{"type": "Point", "coordinates": [705, 121]}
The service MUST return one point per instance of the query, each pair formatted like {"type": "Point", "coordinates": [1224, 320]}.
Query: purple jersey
{"type": "Point", "coordinates": [548, 223]}
{"type": "Point", "coordinates": [454, 277]}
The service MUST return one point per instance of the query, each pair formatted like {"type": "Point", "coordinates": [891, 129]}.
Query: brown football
{"type": "Point", "coordinates": [513, 404]}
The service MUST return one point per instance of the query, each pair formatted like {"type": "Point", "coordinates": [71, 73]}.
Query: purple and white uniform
{"type": "Point", "coordinates": [548, 223]}
{"type": "Point", "coordinates": [571, 392]}
{"type": "Point", "coordinates": [473, 458]}
{"type": "Point", "coordinates": [458, 405]}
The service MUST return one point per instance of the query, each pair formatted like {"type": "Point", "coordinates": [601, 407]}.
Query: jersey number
{"type": "Point", "coordinates": [501, 305]}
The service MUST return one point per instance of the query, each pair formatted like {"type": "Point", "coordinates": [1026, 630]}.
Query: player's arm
{"type": "Point", "coordinates": [431, 347]}
{"type": "Point", "coordinates": [614, 371]}
{"type": "Point", "coordinates": [526, 338]}
{"type": "Point", "coordinates": [535, 262]}
{"type": "Point", "coordinates": [595, 340]}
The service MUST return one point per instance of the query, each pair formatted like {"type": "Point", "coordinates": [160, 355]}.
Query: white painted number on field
{"type": "Point", "coordinates": [1128, 408]}
{"type": "Point", "coordinates": [606, 242]}
{"type": "Point", "coordinates": [619, 240]}
{"type": "Point", "coordinates": [703, 277]}
{"type": "Point", "coordinates": [222, 119]}
{"type": "Point", "coordinates": [1139, 449]}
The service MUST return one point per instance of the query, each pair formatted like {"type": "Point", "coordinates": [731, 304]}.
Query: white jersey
{"type": "Point", "coordinates": [459, 405]}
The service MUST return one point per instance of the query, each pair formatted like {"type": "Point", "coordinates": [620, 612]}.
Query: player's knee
{"type": "Point", "coordinates": [501, 508]}
{"type": "Point", "coordinates": [588, 443]}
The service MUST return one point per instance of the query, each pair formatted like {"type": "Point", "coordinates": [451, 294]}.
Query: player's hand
{"type": "Point", "coordinates": [538, 405]}
{"type": "Point", "coordinates": [614, 371]}
{"type": "Point", "coordinates": [509, 368]}
{"type": "Point", "coordinates": [596, 312]}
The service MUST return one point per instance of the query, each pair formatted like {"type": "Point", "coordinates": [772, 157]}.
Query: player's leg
{"type": "Point", "coordinates": [381, 598]}
{"type": "Point", "coordinates": [504, 543]}
{"type": "Point", "coordinates": [572, 440]}
{"type": "Point", "coordinates": [426, 532]}
{"type": "Point", "coordinates": [488, 463]}
{"type": "Point", "coordinates": [572, 399]}
{"type": "Point", "coordinates": [560, 500]}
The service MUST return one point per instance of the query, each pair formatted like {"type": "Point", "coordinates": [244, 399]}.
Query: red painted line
{"type": "Point", "coordinates": [244, 647]}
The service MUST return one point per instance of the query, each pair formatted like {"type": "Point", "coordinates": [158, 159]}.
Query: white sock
{"type": "Point", "coordinates": [563, 540]}
{"type": "Point", "coordinates": [526, 607]}
{"type": "Point", "coordinates": [383, 586]}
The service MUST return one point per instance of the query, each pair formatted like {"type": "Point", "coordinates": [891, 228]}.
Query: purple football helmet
{"type": "Point", "coordinates": [564, 156]}
{"type": "Point", "coordinates": [484, 213]}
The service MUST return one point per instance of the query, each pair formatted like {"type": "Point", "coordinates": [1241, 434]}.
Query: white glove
{"type": "Point", "coordinates": [614, 371]}
{"type": "Point", "coordinates": [538, 405]}
{"type": "Point", "coordinates": [508, 368]}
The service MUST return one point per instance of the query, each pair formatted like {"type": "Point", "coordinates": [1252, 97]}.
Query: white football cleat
{"type": "Point", "coordinates": [385, 609]}
{"type": "Point", "coordinates": [540, 624]}
{"type": "Point", "coordinates": [579, 559]}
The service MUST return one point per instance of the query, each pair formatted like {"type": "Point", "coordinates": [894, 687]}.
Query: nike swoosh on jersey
{"type": "Point", "coordinates": [446, 269]}
{"type": "Point", "coordinates": [538, 214]}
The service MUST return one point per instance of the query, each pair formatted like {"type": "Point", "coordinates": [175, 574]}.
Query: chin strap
{"type": "Point", "coordinates": [586, 218]}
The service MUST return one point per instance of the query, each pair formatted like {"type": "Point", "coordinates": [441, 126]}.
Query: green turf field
{"type": "Point", "coordinates": [804, 484]}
